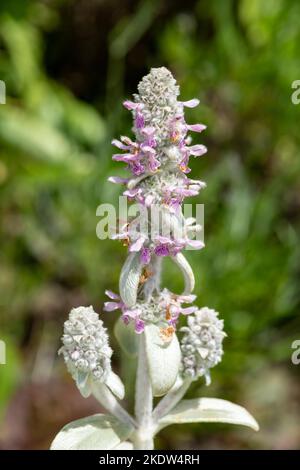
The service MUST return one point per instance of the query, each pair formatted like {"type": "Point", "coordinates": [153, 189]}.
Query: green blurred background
{"type": "Point", "coordinates": [67, 65]}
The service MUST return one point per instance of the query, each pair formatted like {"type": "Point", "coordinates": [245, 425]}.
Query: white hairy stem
{"type": "Point", "coordinates": [143, 436]}
{"type": "Point", "coordinates": [170, 400]}
{"type": "Point", "coordinates": [153, 283]}
{"type": "Point", "coordinates": [105, 397]}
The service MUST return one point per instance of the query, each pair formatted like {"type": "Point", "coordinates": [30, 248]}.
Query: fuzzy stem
{"type": "Point", "coordinates": [170, 400]}
{"type": "Point", "coordinates": [153, 283]}
{"type": "Point", "coordinates": [143, 437]}
{"type": "Point", "coordinates": [110, 403]}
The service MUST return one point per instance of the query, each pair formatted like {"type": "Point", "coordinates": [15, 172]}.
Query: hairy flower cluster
{"type": "Point", "coordinates": [163, 309]}
{"type": "Point", "coordinates": [168, 189]}
{"type": "Point", "coordinates": [158, 160]}
{"type": "Point", "coordinates": [85, 345]}
{"type": "Point", "coordinates": [161, 144]}
{"type": "Point", "coordinates": [159, 232]}
{"type": "Point", "coordinates": [201, 344]}
{"type": "Point", "coordinates": [157, 102]}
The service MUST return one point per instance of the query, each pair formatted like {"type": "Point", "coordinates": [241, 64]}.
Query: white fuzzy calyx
{"type": "Point", "coordinates": [85, 347]}
{"type": "Point", "coordinates": [201, 344]}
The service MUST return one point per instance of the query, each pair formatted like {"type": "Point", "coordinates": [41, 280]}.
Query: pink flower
{"type": "Point", "coordinates": [190, 103]}
{"type": "Point", "coordinates": [111, 306]}
{"type": "Point", "coordinates": [138, 244]}
{"type": "Point", "coordinates": [167, 247]}
{"type": "Point", "coordinates": [118, 180]}
{"type": "Point", "coordinates": [197, 150]}
{"type": "Point", "coordinates": [139, 120]}
{"type": "Point", "coordinates": [196, 127]}
{"type": "Point", "coordinates": [134, 315]}
{"type": "Point", "coordinates": [139, 326]}
{"type": "Point", "coordinates": [130, 105]}
{"type": "Point", "coordinates": [145, 255]}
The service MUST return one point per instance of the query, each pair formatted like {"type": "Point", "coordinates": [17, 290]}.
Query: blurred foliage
{"type": "Point", "coordinates": [67, 66]}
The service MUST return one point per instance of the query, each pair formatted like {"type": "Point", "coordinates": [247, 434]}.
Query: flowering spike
{"type": "Point", "coordinates": [158, 160]}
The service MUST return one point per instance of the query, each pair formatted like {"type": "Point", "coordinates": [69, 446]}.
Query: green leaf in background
{"type": "Point", "coordinates": [24, 46]}
{"type": "Point", "coordinates": [9, 372]}
{"type": "Point", "coordinates": [97, 432]}
{"type": "Point", "coordinates": [208, 410]}
{"type": "Point", "coordinates": [32, 136]}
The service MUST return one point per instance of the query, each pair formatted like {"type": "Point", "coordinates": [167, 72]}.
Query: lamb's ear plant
{"type": "Point", "coordinates": [168, 360]}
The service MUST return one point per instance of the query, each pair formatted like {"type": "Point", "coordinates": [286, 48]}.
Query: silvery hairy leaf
{"type": "Point", "coordinates": [163, 360]}
{"type": "Point", "coordinates": [208, 410]}
{"type": "Point", "coordinates": [83, 383]}
{"type": "Point", "coordinates": [130, 278]}
{"type": "Point", "coordinates": [126, 337]}
{"type": "Point", "coordinates": [124, 446]}
{"type": "Point", "coordinates": [189, 279]}
{"type": "Point", "coordinates": [96, 432]}
{"type": "Point", "coordinates": [115, 384]}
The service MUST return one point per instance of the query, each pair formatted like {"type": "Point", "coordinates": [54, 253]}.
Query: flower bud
{"type": "Point", "coordinates": [86, 350]}
{"type": "Point", "coordinates": [201, 344]}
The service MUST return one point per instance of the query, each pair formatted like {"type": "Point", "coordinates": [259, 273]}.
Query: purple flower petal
{"type": "Point", "coordinates": [148, 131]}
{"type": "Point", "coordinates": [162, 250]}
{"type": "Point", "coordinates": [198, 244]}
{"type": "Point", "coordinates": [131, 192]}
{"type": "Point", "coordinates": [117, 143]}
{"type": "Point", "coordinates": [118, 180]}
{"type": "Point", "coordinates": [111, 306]}
{"type": "Point", "coordinates": [174, 310]}
{"type": "Point", "coordinates": [196, 127]}
{"type": "Point", "coordinates": [154, 164]}
{"type": "Point", "coordinates": [139, 326]}
{"type": "Point", "coordinates": [137, 245]}
{"type": "Point", "coordinates": [136, 168]}
{"type": "Point", "coordinates": [147, 149]}
{"type": "Point", "coordinates": [163, 240]}
{"type": "Point", "coordinates": [186, 192]}
{"type": "Point", "coordinates": [191, 103]}
{"type": "Point", "coordinates": [188, 310]}
{"type": "Point", "coordinates": [174, 204]}
{"type": "Point", "coordinates": [145, 255]}
{"type": "Point", "coordinates": [197, 150]}
{"type": "Point", "coordinates": [125, 318]}
{"type": "Point", "coordinates": [186, 299]}
{"type": "Point", "coordinates": [132, 313]}
{"type": "Point", "coordinates": [126, 157]}
{"type": "Point", "coordinates": [112, 295]}
{"type": "Point", "coordinates": [126, 140]}
{"type": "Point", "coordinates": [139, 121]}
{"type": "Point", "coordinates": [130, 105]}
{"type": "Point", "coordinates": [175, 250]}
